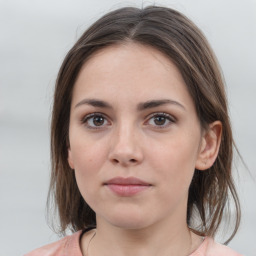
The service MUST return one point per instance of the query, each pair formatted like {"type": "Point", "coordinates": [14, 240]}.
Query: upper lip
{"type": "Point", "coordinates": [127, 181]}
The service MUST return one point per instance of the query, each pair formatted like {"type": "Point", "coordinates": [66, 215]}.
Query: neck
{"type": "Point", "coordinates": [151, 241]}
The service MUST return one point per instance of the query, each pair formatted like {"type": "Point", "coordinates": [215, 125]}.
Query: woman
{"type": "Point", "coordinates": [141, 140]}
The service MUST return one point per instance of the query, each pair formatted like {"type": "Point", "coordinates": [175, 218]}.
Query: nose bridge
{"type": "Point", "coordinates": [125, 130]}
{"type": "Point", "coordinates": [125, 143]}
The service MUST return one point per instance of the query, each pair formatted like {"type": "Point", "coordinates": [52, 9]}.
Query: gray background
{"type": "Point", "coordinates": [35, 36]}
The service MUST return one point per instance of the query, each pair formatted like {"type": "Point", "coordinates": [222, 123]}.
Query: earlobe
{"type": "Point", "coordinates": [209, 147]}
{"type": "Point", "coordinates": [70, 159]}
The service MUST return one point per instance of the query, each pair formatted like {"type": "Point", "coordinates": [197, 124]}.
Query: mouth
{"type": "Point", "coordinates": [127, 186]}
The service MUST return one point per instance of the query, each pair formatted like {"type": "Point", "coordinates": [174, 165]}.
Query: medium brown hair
{"type": "Point", "coordinates": [178, 38]}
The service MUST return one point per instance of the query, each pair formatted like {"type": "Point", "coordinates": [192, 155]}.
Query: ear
{"type": "Point", "coordinates": [70, 159]}
{"type": "Point", "coordinates": [209, 147]}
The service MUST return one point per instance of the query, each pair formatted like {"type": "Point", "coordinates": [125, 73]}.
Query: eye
{"type": "Point", "coordinates": [160, 120]}
{"type": "Point", "coordinates": [95, 121]}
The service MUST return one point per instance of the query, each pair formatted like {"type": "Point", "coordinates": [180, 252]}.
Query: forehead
{"type": "Point", "coordinates": [130, 70]}
{"type": "Point", "coordinates": [130, 56]}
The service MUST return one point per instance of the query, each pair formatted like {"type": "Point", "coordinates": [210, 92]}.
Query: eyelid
{"type": "Point", "coordinates": [85, 118]}
{"type": "Point", "coordinates": [162, 114]}
{"type": "Point", "coordinates": [171, 119]}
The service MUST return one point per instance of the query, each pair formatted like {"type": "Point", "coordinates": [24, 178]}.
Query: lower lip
{"type": "Point", "coordinates": [127, 190]}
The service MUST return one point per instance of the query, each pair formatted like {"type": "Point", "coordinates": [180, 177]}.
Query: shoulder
{"type": "Point", "coordinates": [68, 245]}
{"type": "Point", "coordinates": [211, 248]}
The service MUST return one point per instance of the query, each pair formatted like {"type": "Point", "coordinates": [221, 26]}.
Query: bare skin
{"type": "Point", "coordinates": [91, 245]}
{"type": "Point", "coordinates": [132, 116]}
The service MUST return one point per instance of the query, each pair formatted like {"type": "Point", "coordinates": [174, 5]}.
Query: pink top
{"type": "Point", "coordinates": [70, 245]}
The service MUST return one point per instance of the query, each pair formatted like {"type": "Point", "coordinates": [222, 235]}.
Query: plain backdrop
{"type": "Point", "coordinates": [34, 38]}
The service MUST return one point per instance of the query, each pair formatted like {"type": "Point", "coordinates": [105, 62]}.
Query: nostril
{"type": "Point", "coordinates": [124, 160]}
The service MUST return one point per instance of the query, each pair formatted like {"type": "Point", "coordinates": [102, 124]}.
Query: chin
{"type": "Point", "coordinates": [129, 220]}
{"type": "Point", "coordinates": [130, 225]}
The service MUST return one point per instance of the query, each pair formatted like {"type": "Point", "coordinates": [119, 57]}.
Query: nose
{"type": "Point", "coordinates": [126, 148]}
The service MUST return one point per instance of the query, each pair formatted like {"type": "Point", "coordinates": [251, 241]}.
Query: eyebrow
{"type": "Point", "coordinates": [141, 106]}
{"type": "Point", "coordinates": [155, 103]}
{"type": "Point", "coordinates": [94, 103]}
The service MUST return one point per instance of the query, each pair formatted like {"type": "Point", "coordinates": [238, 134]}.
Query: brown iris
{"type": "Point", "coordinates": [98, 120]}
{"type": "Point", "coordinates": [159, 120]}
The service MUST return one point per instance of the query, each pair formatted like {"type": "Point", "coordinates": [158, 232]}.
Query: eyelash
{"type": "Point", "coordinates": [89, 117]}
{"type": "Point", "coordinates": [168, 117]}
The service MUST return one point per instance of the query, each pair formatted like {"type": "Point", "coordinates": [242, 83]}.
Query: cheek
{"type": "Point", "coordinates": [88, 159]}
{"type": "Point", "coordinates": [86, 151]}
{"type": "Point", "coordinates": [175, 160]}
{"type": "Point", "coordinates": [88, 163]}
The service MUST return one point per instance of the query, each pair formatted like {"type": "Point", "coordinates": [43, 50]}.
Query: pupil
{"type": "Point", "coordinates": [98, 120]}
{"type": "Point", "coordinates": [160, 120]}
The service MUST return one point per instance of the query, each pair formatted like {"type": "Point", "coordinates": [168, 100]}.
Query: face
{"type": "Point", "coordinates": [134, 137]}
